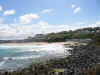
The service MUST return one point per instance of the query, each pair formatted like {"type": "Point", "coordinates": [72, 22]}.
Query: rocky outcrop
{"type": "Point", "coordinates": [82, 58]}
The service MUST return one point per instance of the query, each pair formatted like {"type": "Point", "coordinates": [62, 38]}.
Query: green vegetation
{"type": "Point", "coordinates": [82, 61]}
{"type": "Point", "coordinates": [96, 39]}
{"type": "Point", "coordinates": [85, 33]}
{"type": "Point", "coordinates": [92, 33]}
{"type": "Point", "coordinates": [57, 37]}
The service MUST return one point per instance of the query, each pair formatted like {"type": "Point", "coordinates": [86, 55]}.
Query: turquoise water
{"type": "Point", "coordinates": [12, 57]}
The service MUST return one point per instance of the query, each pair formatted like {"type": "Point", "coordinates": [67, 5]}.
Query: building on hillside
{"type": "Point", "coordinates": [79, 40]}
{"type": "Point", "coordinates": [39, 37]}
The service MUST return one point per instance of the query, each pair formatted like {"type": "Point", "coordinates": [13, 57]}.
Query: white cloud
{"type": "Point", "coordinates": [93, 25]}
{"type": "Point", "coordinates": [98, 22]}
{"type": "Point", "coordinates": [9, 12]}
{"type": "Point", "coordinates": [22, 31]}
{"type": "Point", "coordinates": [6, 31]}
{"type": "Point", "coordinates": [77, 10]}
{"type": "Point", "coordinates": [80, 23]}
{"type": "Point", "coordinates": [1, 8]}
{"type": "Point", "coordinates": [27, 18]}
{"type": "Point", "coordinates": [46, 11]}
{"type": "Point", "coordinates": [43, 24]}
{"type": "Point", "coordinates": [74, 6]}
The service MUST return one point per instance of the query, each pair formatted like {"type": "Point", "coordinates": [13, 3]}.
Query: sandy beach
{"type": "Point", "coordinates": [39, 43]}
{"type": "Point", "coordinates": [24, 44]}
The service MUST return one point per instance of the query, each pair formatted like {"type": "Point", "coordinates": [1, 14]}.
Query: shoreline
{"type": "Point", "coordinates": [75, 64]}
{"type": "Point", "coordinates": [72, 43]}
{"type": "Point", "coordinates": [40, 59]}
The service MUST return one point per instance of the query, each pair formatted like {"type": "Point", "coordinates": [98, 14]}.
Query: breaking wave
{"type": "Point", "coordinates": [17, 54]}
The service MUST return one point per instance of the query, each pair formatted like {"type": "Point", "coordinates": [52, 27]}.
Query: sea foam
{"type": "Point", "coordinates": [17, 54]}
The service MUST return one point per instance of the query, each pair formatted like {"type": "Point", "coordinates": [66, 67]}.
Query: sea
{"type": "Point", "coordinates": [16, 56]}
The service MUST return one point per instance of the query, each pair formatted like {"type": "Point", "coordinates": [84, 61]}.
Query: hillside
{"type": "Point", "coordinates": [91, 33]}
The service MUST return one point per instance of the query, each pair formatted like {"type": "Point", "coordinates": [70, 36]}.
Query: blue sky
{"type": "Point", "coordinates": [23, 18]}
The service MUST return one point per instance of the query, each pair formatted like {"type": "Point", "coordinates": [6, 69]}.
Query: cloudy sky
{"type": "Point", "coordinates": [22, 18]}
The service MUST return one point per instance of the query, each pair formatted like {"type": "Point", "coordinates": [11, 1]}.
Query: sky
{"type": "Point", "coordinates": [20, 19]}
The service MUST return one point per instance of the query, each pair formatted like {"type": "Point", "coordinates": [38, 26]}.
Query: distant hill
{"type": "Point", "coordinates": [84, 33]}
{"type": "Point", "coordinates": [76, 34]}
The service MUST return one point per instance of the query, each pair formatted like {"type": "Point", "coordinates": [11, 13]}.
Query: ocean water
{"type": "Point", "coordinates": [12, 57]}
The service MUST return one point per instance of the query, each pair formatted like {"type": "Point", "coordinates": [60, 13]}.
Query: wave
{"type": "Point", "coordinates": [21, 58]}
{"type": "Point", "coordinates": [2, 62]}
{"type": "Point", "coordinates": [53, 48]}
{"type": "Point", "coordinates": [48, 48]}
{"type": "Point", "coordinates": [19, 54]}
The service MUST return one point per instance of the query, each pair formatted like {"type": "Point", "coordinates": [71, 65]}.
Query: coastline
{"type": "Point", "coordinates": [42, 58]}
{"type": "Point", "coordinates": [78, 63]}
{"type": "Point", "coordinates": [23, 44]}
{"type": "Point", "coordinates": [72, 43]}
